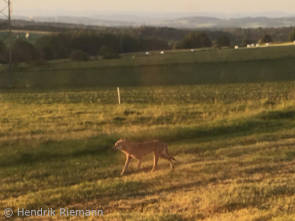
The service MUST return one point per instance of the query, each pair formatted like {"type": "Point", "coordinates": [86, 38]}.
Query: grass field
{"type": "Point", "coordinates": [234, 144]}
{"type": "Point", "coordinates": [204, 66]}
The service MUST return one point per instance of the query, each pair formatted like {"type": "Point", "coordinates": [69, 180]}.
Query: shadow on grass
{"type": "Point", "coordinates": [58, 151]}
{"type": "Point", "coordinates": [172, 217]}
{"type": "Point", "coordinates": [84, 192]}
{"type": "Point", "coordinates": [225, 132]}
{"type": "Point", "coordinates": [62, 150]}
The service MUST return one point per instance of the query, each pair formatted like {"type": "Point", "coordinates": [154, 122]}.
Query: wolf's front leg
{"type": "Point", "coordinates": [126, 164]}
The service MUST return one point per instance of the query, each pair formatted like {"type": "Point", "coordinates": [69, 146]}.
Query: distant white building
{"type": "Point", "coordinates": [192, 50]}
{"type": "Point", "coordinates": [27, 35]}
{"type": "Point", "coordinates": [147, 53]}
{"type": "Point", "coordinates": [236, 47]}
{"type": "Point", "coordinates": [162, 52]}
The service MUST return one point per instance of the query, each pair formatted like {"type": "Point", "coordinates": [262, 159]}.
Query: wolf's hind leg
{"type": "Point", "coordinates": [171, 164]}
{"type": "Point", "coordinates": [169, 158]}
{"type": "Point", "coordinates": [156, 158]}
{"type": "Point", "coordinates": [139, 164]}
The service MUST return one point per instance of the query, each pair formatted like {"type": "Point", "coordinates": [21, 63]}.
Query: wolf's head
{"type": "Point", "coordinates": [119, 144]}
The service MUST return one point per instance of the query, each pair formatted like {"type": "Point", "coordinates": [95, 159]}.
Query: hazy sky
{"type": "Point", "coordinates": [216, 6]}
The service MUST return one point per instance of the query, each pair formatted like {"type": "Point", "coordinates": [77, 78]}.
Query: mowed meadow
{"type": "Point", "coordinates": [175, 67]}
{"type": "Point", "coordinates": [234, 145]}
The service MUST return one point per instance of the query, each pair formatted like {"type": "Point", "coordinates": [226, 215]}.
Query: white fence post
{"type": "Point", "coordinates": [119, 95]}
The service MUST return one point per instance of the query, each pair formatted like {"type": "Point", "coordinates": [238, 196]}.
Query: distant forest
{"type": "Point", "coordinates": [80, 42]}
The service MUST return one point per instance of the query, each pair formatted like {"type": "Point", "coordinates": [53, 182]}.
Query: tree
{"type": "Point", "coordinates": [79, 55]}
{"type": "Point", "coordinates": [108, 53]}
{"type": "Point", "coordinates": [223, 41]}
{"type": "Point", "coordinates": [247, 41]}
{"type": "Point", "coordinates": [53, 46]}
{"type": "Point", "coordinates": [3, 53]}
{"type": "Point", "coordinates": [23, 51]}
{"type": "Point", "coordinates": [195, 40]}
{"type": "Point", "coordinates": [266, 39]}
{"type": "Point", "coordinates": [292, 35]}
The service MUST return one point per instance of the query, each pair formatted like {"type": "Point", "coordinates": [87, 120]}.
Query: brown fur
{"type": "Point", "coordinates": [139, 150]}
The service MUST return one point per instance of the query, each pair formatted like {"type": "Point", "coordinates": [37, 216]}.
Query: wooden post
{"type": "Point", "coordinates": [10, 36]}
{"type": "Point", "coordinates": [119, 95]}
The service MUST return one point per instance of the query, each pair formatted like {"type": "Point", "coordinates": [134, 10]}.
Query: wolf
{"type": "Point", "coordinates": [137, 150]}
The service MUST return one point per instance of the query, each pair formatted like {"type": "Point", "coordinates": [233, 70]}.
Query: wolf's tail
{"type": "Point", "coordinates": [167, 154]}
{"type": "Point", "coordinates": [172, 158]}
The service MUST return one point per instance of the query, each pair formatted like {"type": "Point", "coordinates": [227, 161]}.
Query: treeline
{"type": "Point", "coordinates": [79, 45]}
{"type": "Point", "coordinates": [236, 35]}
{"type": "Point", "coordinates": [87, 44]}
{"type": "Point", "coordinates": [94, 44]}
